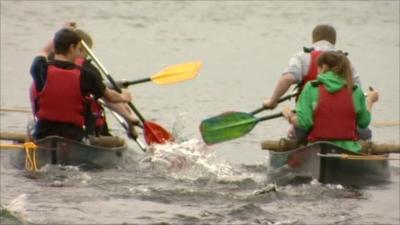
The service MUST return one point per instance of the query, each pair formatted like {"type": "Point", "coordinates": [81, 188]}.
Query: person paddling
{"type": "Point", "coordinates": [302, 68]}
{"type": "Point", "coordinates": [62, 87]}
{"type": "Point", "coordinates": [97, 123]}
{"type": "Point", "coordinates": [331, 107]}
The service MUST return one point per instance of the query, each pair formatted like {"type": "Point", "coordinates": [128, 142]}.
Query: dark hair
{"type": "Point", "coordinates": [324, 32]}
{"type": "Point", "coordinates": [85, 37]}
{"type": "Point", "coordinates": [63, 39]}
{"type": "Point", "coordinates": [337, 62]}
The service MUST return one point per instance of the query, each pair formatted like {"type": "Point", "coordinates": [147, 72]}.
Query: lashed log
{"type": "Point", "coordinates": [367, 146]}
{"type": "Point", "coordinates": [14, 136]}
{"type": "Point", "coordinates": [17, 110]}
{"type": "Point", "coordinates": [104, 141]}
{"type": "Point", "coordinates": [107, 141]}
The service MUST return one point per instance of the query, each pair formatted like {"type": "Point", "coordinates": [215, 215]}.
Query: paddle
{"type": "Point", "coordinates": [229, 126]}
{"type": "Point", "coordinates": [233, 125]}
{"type": "Point", "coordinates": [124, 124]}
{"type": "Point", "coordinates": [287, 97]}
{"type": "Point", "coordinates": [154, 134]}
{"type": "Point", "coordinates": [171, 74]}
{"type": "Point", "coordinates": [150, 138]}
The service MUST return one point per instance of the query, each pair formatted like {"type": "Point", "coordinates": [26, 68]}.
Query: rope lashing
{"type": "Point", "coordinates": [30, 154]}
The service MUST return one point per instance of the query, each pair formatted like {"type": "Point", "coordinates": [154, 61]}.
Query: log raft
{"type": "Point", "coordinates": [14, 136]}
{"type": "Point", "coordinates": [368, 147]}
{"type": "Point", "coordinates": [104, 141]}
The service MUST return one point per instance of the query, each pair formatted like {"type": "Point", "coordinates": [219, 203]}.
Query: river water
{"type": "Point", "coordinates": [244, 46]}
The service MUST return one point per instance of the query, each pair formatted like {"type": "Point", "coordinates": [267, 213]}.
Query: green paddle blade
{"type": "Point", "coordinates": [226, 127]}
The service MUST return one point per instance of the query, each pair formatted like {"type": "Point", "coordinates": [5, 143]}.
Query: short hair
{"type": "Point", "coordinates": [85, 37]}
{"type": "Point", "coordinates": [324, 32]}
{"type": "Point", "coordinates": [63, 39]}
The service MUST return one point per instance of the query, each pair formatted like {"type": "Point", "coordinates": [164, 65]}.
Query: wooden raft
{"type": "Point", "coordinates": [14, 136]}
{"type": "Point", "coordinates": [104, 141]}
{"type": "Point", "coordinates": [367, 146]}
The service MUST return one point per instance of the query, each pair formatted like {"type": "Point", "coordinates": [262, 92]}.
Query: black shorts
{"type": "Point", "coordinates": [46, 128]}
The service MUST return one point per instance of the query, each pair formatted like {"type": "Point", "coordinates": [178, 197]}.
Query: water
{"type": "Point", "coordinates": [244, 45]}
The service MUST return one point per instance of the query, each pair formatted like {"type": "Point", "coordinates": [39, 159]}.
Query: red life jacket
{"type": "Point", "coordinates": [334, 116]}
{"type": "Point", "coordinates": [312, 70]}
{"type": "Point", "coordinates": [95, 106]}
{"type": "Point", "coordinates": [34, 94]}
{"type": "Point", "coordinates": [96, 110]}
{"type": "Point", "coordinates": [61, 99]}
{"type": "Point", "coordinates": [79, 61]}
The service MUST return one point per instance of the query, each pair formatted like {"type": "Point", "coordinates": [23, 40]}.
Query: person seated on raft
{"type": "Point", "coordinates": [302, 69]}
{"type": "Point", "coordinates": [95, 121]}
{"type": "Point", "coordinates": [331, 107]}
{"type": "Point", "coordinates": [62, 87]}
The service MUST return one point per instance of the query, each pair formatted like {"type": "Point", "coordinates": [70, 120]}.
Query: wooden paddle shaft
{"type": "Point", "coordinates": [109, 78]}
{"type": "Point", "coordinates": [287, 97]}
{"type": "Point", "coordinates": [367, 146]}
{"type": "Point", "coordinates": [273, 116]}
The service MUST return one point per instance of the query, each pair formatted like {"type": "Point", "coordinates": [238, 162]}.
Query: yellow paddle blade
{"type": "Point", "coordinates": [177, 73]}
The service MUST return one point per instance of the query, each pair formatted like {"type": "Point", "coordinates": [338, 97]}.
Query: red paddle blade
{"type": "Point", "coordinates": [155, 134]}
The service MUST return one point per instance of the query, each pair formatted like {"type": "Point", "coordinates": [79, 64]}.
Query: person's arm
{"type": "Point", "coordinates": [292, 74]}
{"type": "Point", "coordinates": [305, 107]}
{"type": "Point", "coordinates": [91, 82]}
{"type": "Point", "coordinates": [281, 88]}
{"type": "Point", "coordinates": [109, 94]}
{"type": "Point", "coordinates": [354, 73]}
{"type": "Point", "coordinates": [290, 116]}
{"type": "Point", "coordinates": [123, 110]}
{"type": "Point", "coordinates": [372, 97]}
{"type": "Point", "coordinates": [363, 106]}
{"type": "Point", "coordinates": [38, 72]}
{"type": "Point", "coordinates": [38, 68]}
{"type": "Point", "coordinates": [113, 96]}
{"type": "Point", "coordinates": [49, 47]}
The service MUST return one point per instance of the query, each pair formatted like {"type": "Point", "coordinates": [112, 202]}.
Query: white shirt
{"type": "Point", "coordinates": [299, 64]}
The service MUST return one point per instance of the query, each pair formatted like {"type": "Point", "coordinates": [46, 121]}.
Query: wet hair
{"type": "Point", "coordinates": [324, 32]}
{"type": "Point", "coordinates": [337, 62]}
{"type": "Point", "coordinates": [63, 39]}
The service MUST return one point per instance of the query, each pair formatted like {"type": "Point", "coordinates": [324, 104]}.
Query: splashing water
{"type": "Point", "coordinates": [17, 209]}
{"type": "Point", "coordinates": [190, 159]}
{"type": "Point", "coordinates": [62, 176]}
{"type": "Point", "coordinates": [178, 128]}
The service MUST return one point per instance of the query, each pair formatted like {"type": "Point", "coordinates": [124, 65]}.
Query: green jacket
{"type": "Point", "coordinates": [309, 98]}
